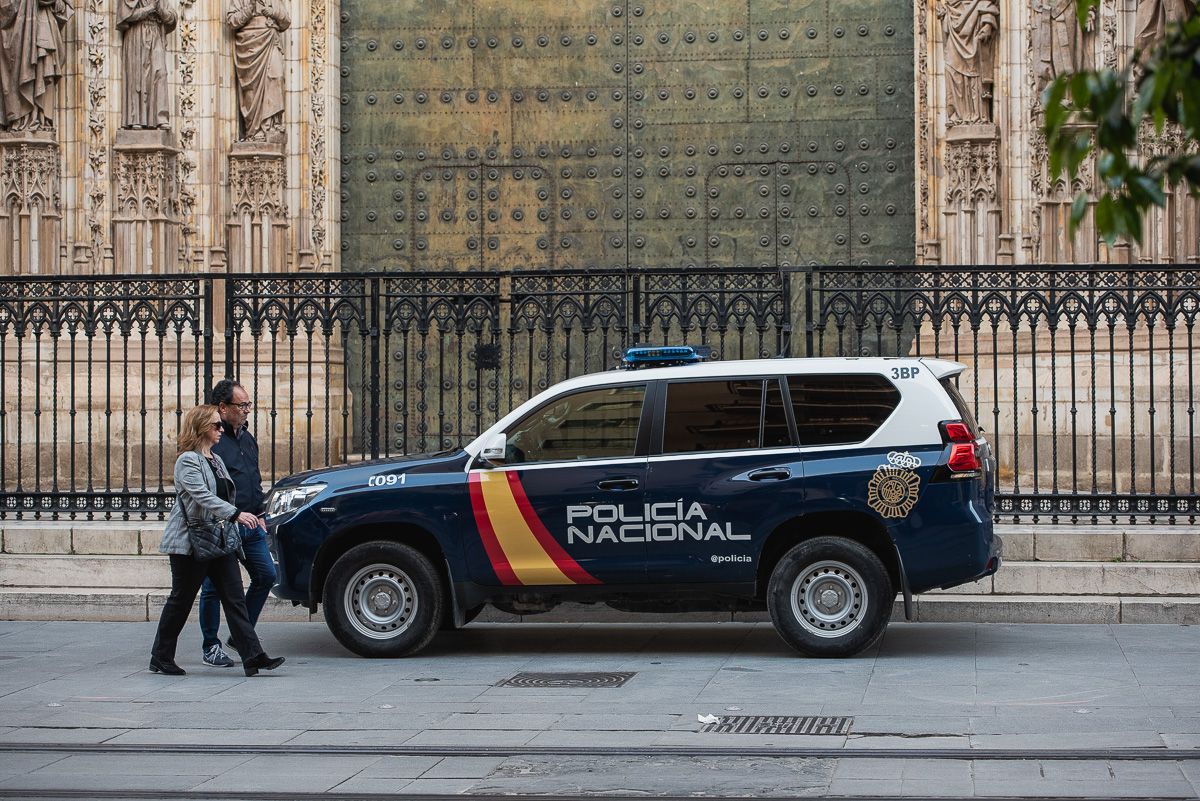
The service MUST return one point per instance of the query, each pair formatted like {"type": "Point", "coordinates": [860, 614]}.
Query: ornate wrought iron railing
{"type": "Point", "coordinates": [1083, 377]}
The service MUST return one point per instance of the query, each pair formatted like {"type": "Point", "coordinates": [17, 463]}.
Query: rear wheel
{"type": "Point", "coordinates": [830, 597]}
{"type": "Point", "coordinates": [383, 599]}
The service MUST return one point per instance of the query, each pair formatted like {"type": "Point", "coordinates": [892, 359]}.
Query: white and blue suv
{"type": "Point", "coordinates": [818, 489]}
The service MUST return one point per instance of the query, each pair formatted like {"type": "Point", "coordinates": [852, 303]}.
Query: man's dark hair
{"type": "Point", "coordinates": [222, 391]}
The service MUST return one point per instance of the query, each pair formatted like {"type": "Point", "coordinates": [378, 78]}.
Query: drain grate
{"type": "Point", "coordinates": [588, 681]}
{"type": "Point", "coordinates": [778, 724]}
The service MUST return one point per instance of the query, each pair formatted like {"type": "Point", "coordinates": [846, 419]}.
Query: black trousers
{"type": "Point", "coordinates": [187, 574]}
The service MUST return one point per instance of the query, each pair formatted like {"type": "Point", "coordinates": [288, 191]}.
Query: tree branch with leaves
{"type": "Point", "coordinates": [1104, 112]}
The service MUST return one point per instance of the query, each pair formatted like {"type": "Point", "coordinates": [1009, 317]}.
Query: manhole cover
{"type": "Point", "coordinates": [778, 724]}
{"type": "Point", "coordinates": [584, 680]}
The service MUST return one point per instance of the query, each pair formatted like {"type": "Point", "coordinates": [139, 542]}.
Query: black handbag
{"type": "Point", "coordinates": [214, 539]}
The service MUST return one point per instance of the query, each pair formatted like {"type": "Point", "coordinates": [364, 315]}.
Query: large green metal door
{"type": "Point", "coordinates": [626, 134]}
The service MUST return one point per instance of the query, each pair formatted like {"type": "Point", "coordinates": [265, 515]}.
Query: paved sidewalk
{"type": "Point", "coordinates": [939, 691]}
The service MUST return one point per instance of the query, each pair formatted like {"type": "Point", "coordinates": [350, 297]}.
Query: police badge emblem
{"type": "Point", "coordinates": [892, 491]}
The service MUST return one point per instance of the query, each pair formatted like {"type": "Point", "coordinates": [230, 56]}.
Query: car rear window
{"type": "Point", "coordinates": [840, 409]}
{"type": "Point", "coordinates": [960, 403]}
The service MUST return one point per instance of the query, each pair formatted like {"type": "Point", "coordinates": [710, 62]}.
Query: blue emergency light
{"type": "Point", "coordinates": [664, 356]}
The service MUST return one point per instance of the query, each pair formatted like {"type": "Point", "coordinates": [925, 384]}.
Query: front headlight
{"type": "Point", "coordinates": [289, 499]}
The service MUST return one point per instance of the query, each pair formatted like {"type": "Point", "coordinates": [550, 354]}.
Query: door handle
{"type": "Point", "coordinates": [627, 483]}
{"type": "Point", "coordinates": [770, 474]}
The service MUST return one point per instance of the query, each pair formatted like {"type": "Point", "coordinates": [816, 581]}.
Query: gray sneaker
{"type": "Point", "coordinates": [217, 657]}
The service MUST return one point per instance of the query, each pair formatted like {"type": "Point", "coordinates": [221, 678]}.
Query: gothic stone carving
{"type": "Point", "coordinates": [31, 210]}
{"type": "Point", "coordinates": [972, 164]}
{"type": "Point", "coordinates": [146, 198]}
{"type": "Point", "coordinates": [258, 220]}
{"type": "Point", "coordinates": [258, 184]}
{"type": "Point", "coordinates": [1059, 46]}
{"type": "Point", "coordinates": [258, 59]}
{"type": "Point", "coordinates": [970, 28]}
{"type": "Point", "coordinates": [32, 59]}
{"type": "Point", "coordinates": [144, 25]}
{"type": "Point", "coordinates": [145, 178]}
{"type": "Point", "coordinates": [317, 158]}
{"type": "Point", "coordinates": [98, 135]}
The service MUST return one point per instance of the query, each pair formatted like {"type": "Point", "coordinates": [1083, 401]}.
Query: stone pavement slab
{"type": "Point", "coordinates": [951, 688]}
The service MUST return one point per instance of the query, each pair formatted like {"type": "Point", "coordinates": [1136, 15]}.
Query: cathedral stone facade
{"type": "Point", "coordinates": [168, 136]}
{"type": "Point", "coordinates": [984, 192]}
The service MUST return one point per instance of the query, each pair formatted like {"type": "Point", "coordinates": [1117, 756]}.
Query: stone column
{"type": "Point", "coordinates": [972, 212]}
{"type": "Point", "coordinates": [146, 200]}
{"type": "Point", "coordinates": [31, 214]}
{"type": "Point", "coordinates": [258, 218]}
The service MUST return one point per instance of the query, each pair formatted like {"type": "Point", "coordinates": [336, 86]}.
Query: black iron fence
{"type": "Point", "coordinates": [1083, 377]}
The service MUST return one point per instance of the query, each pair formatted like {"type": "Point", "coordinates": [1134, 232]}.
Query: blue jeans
{"type": "Point", "coordinates": [261, 568]}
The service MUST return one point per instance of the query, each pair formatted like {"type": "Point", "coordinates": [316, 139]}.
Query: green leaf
{"type": "Point", "coordinates": [1131, 223]}
{"type": "Point", "coordinates": [1081, 88]}
{"type": "Point", "coordinates": [1104, 218]}
{"type": "Point", "coordinates": [1151, 188]}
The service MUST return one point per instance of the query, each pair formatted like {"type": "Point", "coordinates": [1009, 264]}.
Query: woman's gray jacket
{"type": "Point", "coordinates": [197, 497]}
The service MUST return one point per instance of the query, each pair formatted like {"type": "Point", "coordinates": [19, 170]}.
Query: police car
{"type": "Point", "coordinates": [818, 489]}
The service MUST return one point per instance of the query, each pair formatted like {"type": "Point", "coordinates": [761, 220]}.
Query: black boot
{"type": "Point", "coordinates": [261, 662]}
{"type": "Point", "coordinates": [166, 666]}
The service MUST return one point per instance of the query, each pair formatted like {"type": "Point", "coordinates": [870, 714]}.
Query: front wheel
{"type": "Point", "coordinates": [830, 597]}
{"type": "Point", "coordinates": [383, 599]}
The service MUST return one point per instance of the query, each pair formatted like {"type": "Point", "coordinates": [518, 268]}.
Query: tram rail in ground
{"type": "Point", "coordinates": [1163, 754]}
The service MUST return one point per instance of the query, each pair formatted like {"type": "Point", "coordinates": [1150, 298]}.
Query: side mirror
{"type": "Point", "coordinates": [494, 448]}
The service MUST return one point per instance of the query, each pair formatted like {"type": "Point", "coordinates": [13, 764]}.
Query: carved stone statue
{"type": "Point", "coordinates": [1059, 46]}
{"type": "Point", "coordinates": [258, 59]}
{"type": "Point", "coordinates": [31, 61]}
{"type": "Point", "coordinates": [1153, 16]}
{"type": "Point", "coordinates": [145, 24]}
{"type": "Point", "coordinates": [970, 27]}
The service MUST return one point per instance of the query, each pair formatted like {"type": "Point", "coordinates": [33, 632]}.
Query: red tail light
{"type": "Point", "coordinates": [964, 457]}
{"type": "Point", "coordinates": [957, 431]}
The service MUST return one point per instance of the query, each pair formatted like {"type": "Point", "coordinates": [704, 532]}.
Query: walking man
{"type": "Point", "coordinates": [239, 450]}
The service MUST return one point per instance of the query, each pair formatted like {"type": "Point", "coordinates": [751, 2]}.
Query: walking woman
{"type": "Point", "coordinates": [205, 491]}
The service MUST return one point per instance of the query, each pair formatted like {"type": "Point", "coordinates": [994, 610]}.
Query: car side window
{"type": "Point", "coordinates": [719, 415]}
{"type": "Point", "coordinates": [594, 424]}
{"type": "Point", "coordinates": [840, 409]}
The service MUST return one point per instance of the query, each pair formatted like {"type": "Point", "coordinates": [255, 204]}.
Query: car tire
{"type": "Point", "coordinates": [830, 597]}
{"type": "Point", "coordinates": [383, 599]}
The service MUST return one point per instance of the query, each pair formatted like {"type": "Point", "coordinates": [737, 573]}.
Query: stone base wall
{"type": "Point", "coordinates": [1057, 407]}
{"type": "Point", "coordinates": [72, 425]}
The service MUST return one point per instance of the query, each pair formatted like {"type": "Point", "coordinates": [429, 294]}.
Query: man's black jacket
{"type": "Point", "coordinates": [239, 451]}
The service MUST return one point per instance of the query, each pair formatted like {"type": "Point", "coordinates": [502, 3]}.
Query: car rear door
{"type": "Point", "coordinates": [723, 473]}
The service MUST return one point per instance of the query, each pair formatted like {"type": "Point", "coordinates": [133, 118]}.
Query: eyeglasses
{"type": "Point", "coordinates": [245, 407]}
{"type": "Point", "coordinates": [217, 425]}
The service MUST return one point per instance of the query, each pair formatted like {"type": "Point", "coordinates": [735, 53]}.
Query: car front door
{"type": "Point", "coordinates": [560, 508]}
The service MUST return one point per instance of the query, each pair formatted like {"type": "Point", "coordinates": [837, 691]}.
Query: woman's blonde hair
{"type": "Point", "coordinates": [195, 427]}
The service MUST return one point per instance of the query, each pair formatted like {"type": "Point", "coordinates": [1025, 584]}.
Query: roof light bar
{"type": "Point", "coordinates": [664, 356]}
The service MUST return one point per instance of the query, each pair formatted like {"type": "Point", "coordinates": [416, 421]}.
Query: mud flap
{"type": "Point", "coordinates": [904, 588]}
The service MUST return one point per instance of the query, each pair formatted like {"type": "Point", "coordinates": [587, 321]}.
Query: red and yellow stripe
{"type": "Point", "coordinates": [521, 549]}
